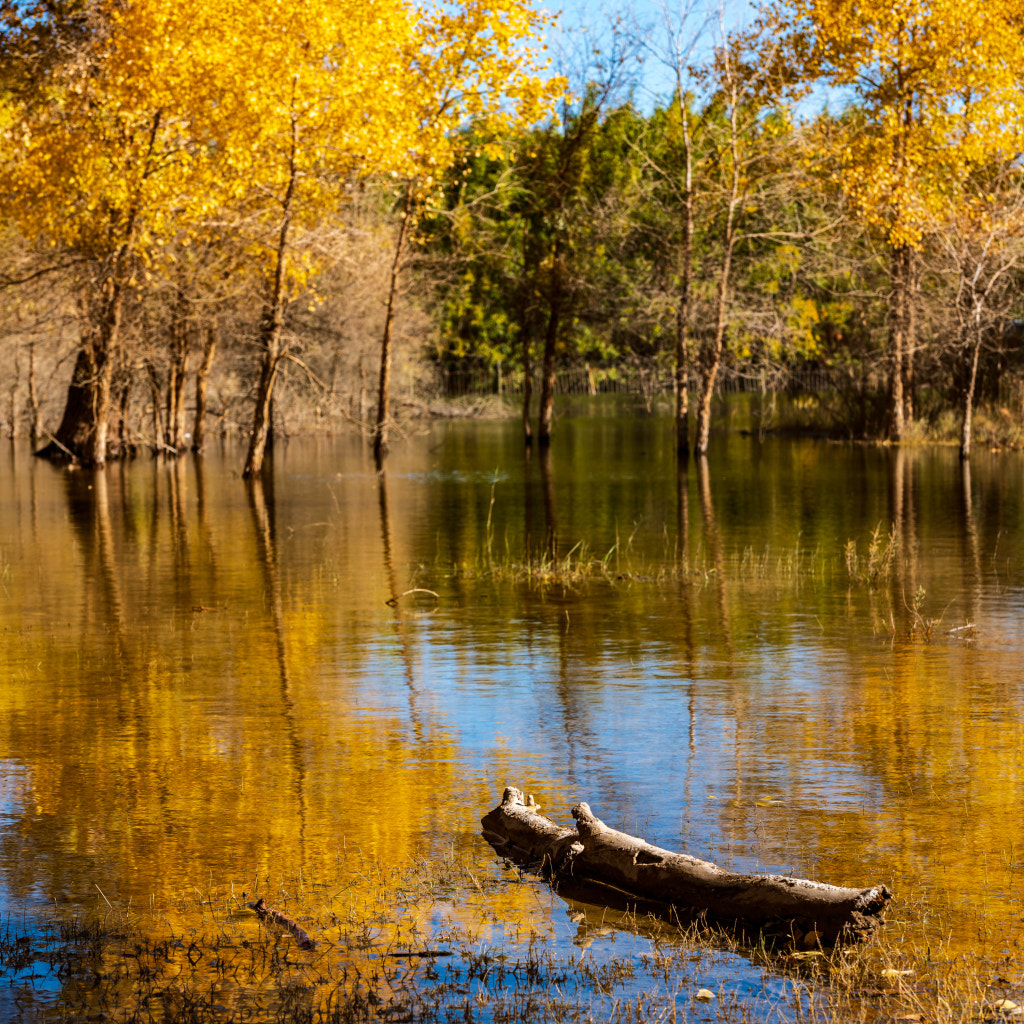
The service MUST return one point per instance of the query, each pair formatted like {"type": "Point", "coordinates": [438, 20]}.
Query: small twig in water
{"type": "Point", "coordinates": [264, 913]}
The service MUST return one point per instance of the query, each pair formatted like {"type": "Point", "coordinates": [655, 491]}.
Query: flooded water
{"type": "Point", "coordinates": [203, 683]}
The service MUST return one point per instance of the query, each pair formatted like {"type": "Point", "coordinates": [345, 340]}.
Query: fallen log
{"type": "Point", "coordinates": [809, 914]}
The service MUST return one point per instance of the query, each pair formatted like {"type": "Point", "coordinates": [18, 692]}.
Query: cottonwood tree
{"type": "Point", "coordinates": [111, 151]}
{"type": "Point", "coordinates": [933, 82]}
{"type": "Point", "coordinates": [119, 147]}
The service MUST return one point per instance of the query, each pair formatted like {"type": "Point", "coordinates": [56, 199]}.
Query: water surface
{"type": "Point", "coordinates": [203, 682]}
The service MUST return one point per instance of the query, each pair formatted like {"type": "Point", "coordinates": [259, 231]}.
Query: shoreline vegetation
{"type": "Point", "coordinates": [423, 942]}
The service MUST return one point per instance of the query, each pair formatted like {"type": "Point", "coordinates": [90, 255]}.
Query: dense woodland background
{"type": "Point", "coordinates": [828, 203]}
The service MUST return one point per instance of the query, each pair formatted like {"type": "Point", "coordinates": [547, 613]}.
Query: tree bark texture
{"type": "Point", "coordinates": [272, 321]}
{"type": "Point", "coordinates": [810, 914]}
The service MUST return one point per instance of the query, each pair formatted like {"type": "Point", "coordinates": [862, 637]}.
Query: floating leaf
{"type": "Point", "coordinates": [1007, 1007]}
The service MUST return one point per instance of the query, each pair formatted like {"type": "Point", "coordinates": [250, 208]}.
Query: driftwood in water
{"type": "Point", "coordinates": [812, 914]}
{"type": "Point", "coordinates": [264, 913]}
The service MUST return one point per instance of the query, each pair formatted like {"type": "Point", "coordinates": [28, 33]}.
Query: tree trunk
{"type": "Point", "coordinates": [35, 421]}
{"type": "Point", "coordinates": [899, 305]}
{"type": "Point", "coordinates": [176, 377]}
{"type": "Point", "coordinates": [271, 346]}
{"type": "Point", "coordinates": [12, 396]}
{"type": "Point", "coordinates": [272, 322]}
{"type": "Point", "coordinates": [713, 354]}
{"type": "Point", "coordinates": [910, 339]}
{"type": "Point", "coordinates": [124, 397]}
{"type": "Point", "coordinates": [82, 434]}
{"type": "Point", "coordinates": [974, 353]}
{"type": "Point", "coordinates": [809, 914]}
{"type": "Point", "coordinates": [527, 390]}
{"type": "Point", "coordinates": [202, 388]}
{"type": "Point", "coordinates": [547, 391]}
{"type": "Point", "coordinates": [380, 433]}
{"type": "Point", "coordinates": [526, 338]}
{"type": "Point", "coordinates": [682, 380]}
{"type": "Point", "coordinates": [155, 394]}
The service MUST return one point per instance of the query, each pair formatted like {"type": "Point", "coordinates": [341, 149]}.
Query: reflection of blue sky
{"type": "Point", "coordinates": [651, 749]}
{"type": "Point", "coordinates": [14, 784]}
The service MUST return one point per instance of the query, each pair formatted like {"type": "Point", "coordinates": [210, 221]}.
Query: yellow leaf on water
{"type": "Point", "coordinates": [1007, 1006]}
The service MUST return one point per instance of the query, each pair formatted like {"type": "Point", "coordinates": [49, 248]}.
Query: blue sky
{"type": "Point", "coordinates": [652, 79]}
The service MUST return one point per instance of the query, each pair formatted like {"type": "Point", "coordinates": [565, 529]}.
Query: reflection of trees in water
{"type": "Point", "coordinates": [688, 639]}
{"type": "Point", "coordinates": [972, 559]}
{"type": "Point", "coordinates": [262, 506]}
{"type": "Point", "coordinates": [395, 601]}
{"type": "Point", "coordinates": [716, 552]}
{"type": "Point", "coordinates": [904, 519]}
{"type": "Point", "coordinates": [528, 552]}
{"type": "Point", "coordinates": [550, 510]}
{"type": "Point", "coordinates": [88, 497]}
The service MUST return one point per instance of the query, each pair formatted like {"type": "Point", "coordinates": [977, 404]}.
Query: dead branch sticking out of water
{"type": "Point", "coordinates": [264, 913]}
{"type": "Point", "coordinates": [810, 914]}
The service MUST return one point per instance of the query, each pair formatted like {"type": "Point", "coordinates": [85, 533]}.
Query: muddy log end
{"type": "Point", "coordinates": [799, 911]}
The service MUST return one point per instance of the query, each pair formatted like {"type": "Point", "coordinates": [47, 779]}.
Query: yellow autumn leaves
{"type": "Point", "coordinates": [936, 90]}
{"type": "Point", "coordinates": [170, 110]}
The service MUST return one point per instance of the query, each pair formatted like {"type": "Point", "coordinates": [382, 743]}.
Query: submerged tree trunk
{"type": "Point", "coordinates": [809, 914]}
{"type": "Point", "coordinates": [527, 390]}
{"type": "Point", "coordinates": [972, 336]}
{"type": "Point", "coordinates": [35, 420]}
{"type": "Point", "coordinates": [380, 433]}
{"type": "Point", "coordinates": [153, 378]}
{"type": "Point", "coordinates": [526, 339]}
